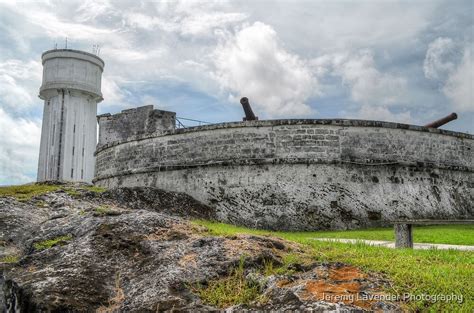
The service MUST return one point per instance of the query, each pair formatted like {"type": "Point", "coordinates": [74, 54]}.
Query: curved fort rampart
{"type": "Point", "coordinates": [294, 174]}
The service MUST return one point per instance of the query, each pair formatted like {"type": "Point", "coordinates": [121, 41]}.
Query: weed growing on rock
{"type": "Point", "coordinates": [230, 290]}
{"type": "Point", "coordinates": [10, 259]}
{"type": "Point", "coordinates": [41, 204]}
{"type": "Point", "coordinates": [46, 244]}
{"type": "Point", "coordinates": [76, 192]}
{"type": "Point", "coordinates": [72, 192]}
{"type": "Point", "coordinates": [96, 189]}
{"type": "Point", "coordinates": [105, 210]}
{"type": "Point", "coordinates": [102, 210]}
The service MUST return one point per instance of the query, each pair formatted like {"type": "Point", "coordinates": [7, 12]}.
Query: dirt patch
{"type": "Point", "coordinates": [336, 283]}
{"type": "Point", "coordinates": [346, 292]}
{"type": "Point", "coordinates": [346, 273]}
{"type": "Point", "coordinates": [178, 231]}
{"type": "Point", "coordinates": [252, 245]}
{"type": "Point", "coordinates": [188, 260]}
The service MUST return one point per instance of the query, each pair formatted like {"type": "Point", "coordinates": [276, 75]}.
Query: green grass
{"type": "Point", "coordinates": [26, 192]}
{"type": "Point", "coordinates": [237, 288]}
{"type": "Point", "coordinates": [72, 192]}
{"type": "Point", "coordinates": [96, 189]}
{"type": "Point", "coordinates": [230, 290]}
{"type": "Point", "coordinates": [447, 234]}
{"type": "Point", "coordinates": [46, 244]}
{"type": "Point", "coordinates": [76, 191]}
{"type": "Point", "coordinates": [102, 210]}
{"type": "Point", "coordinates": [432, 272]}
{"type": "Point", "coordinates": [41, 204]}
{"type": "Point", "coordinates": [10, 259]}
{"type": "Point", "coordinates": [105, 210]}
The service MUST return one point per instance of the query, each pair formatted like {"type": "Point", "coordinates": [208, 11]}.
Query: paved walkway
{"type": "Point", "coordinates": [391, 244]}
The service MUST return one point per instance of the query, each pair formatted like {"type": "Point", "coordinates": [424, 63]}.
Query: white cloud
{"type": "Point", "coordinates": [455, 74]}
{"type": "Point", "coordinates": [375, 92]}
{"type": "Point", "coordinates": [185, 18]}
{"type": "Point", "coordinates": [335, 26]}
{"type": "Point", "coordinates": [57, 28]}
{"type": "Point", "coordinates": [439, 60]}
{"type": "Point", "coordinates": [253, 63]}
{"type": "Point", "coordinates": [382, 113]}
{"type": "Point", "coordinates": [459, 87]}
{"type": "Point", "coordinates": [58, 21]}
{"type": "Point", "coordinates": [147, 22]}
{"type": "Point", "coordinates": [202, 23]}
{"type": "Point", "coordinates": [93, 9]}
{"type": "Point", "coordinates": [358, 71]}
{"type": "Point", "coordinates": [113, 94]}
{"type": "Point", "coordinates": [368, 85]}
{"type": "Point", "coordinates": [19, 83]}
{"type": "Point", "coordinates": [130, 55]}
{"type": "Point", "coordinates": [19, 149]}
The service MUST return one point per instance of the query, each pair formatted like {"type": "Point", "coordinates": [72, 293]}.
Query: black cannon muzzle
{"type": "Point", "coordinates": [249, 116]}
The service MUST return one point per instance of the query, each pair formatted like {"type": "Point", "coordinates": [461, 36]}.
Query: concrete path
{"type": "Point", "coordinates": [391, 244]}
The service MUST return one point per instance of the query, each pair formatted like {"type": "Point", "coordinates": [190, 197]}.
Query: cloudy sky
{"type": "Point", "coordinates": [406, 61]}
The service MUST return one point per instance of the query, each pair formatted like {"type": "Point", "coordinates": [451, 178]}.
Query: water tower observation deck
{"type": "Point", "coordinates": [71, 70]}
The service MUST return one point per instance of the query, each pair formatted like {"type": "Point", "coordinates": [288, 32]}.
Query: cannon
{"type": "Point", "coordinates": [442, 121]}
{"type": "Point", "coordinates": [249, 116]}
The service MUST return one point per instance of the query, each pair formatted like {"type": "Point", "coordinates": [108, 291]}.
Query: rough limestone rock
{"type": "Point", "coordinates": [127, 250]}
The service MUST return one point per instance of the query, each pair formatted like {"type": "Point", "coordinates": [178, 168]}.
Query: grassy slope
{"type": "Point", "coordinates": [432, 272]}
{"type": "Point", "coordinates": [28, 191]}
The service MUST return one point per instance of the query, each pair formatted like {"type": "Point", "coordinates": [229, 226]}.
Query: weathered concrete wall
{"type": "Point", "coordinates": [303, 174]}
{"type": "Point", "coordinates": [134, 123]}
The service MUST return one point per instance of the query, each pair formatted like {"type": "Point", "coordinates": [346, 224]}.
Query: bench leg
{"type": "Point", "coordinates": [403, 236]}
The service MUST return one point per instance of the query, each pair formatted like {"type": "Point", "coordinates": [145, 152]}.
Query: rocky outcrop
{"type": "Point", "coordinates": [128, 250]}
{"type": "Point", "coordinates": [153, 199]}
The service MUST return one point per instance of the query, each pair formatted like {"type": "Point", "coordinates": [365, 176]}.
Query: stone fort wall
{"type": "Point", "coordinates": [299, 174]}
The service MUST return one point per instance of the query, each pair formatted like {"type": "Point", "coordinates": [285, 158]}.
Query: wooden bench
{"type": "Point", "coordinates": [404, 234]}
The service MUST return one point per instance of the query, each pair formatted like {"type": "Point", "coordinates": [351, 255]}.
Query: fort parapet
{"type": "Point", "coordinates": [134, 124]}
{"type": "Point", "coordinates": [294, 174]}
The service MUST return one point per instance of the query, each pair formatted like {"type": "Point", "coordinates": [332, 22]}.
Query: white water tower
{"type": "Point", "coordinates": [71, 91]}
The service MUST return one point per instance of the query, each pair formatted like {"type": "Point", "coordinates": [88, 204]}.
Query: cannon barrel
{"type": "Point", "coordinates": [442, 121]}
{"type": "Point", "coordinates": [249, 116]}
